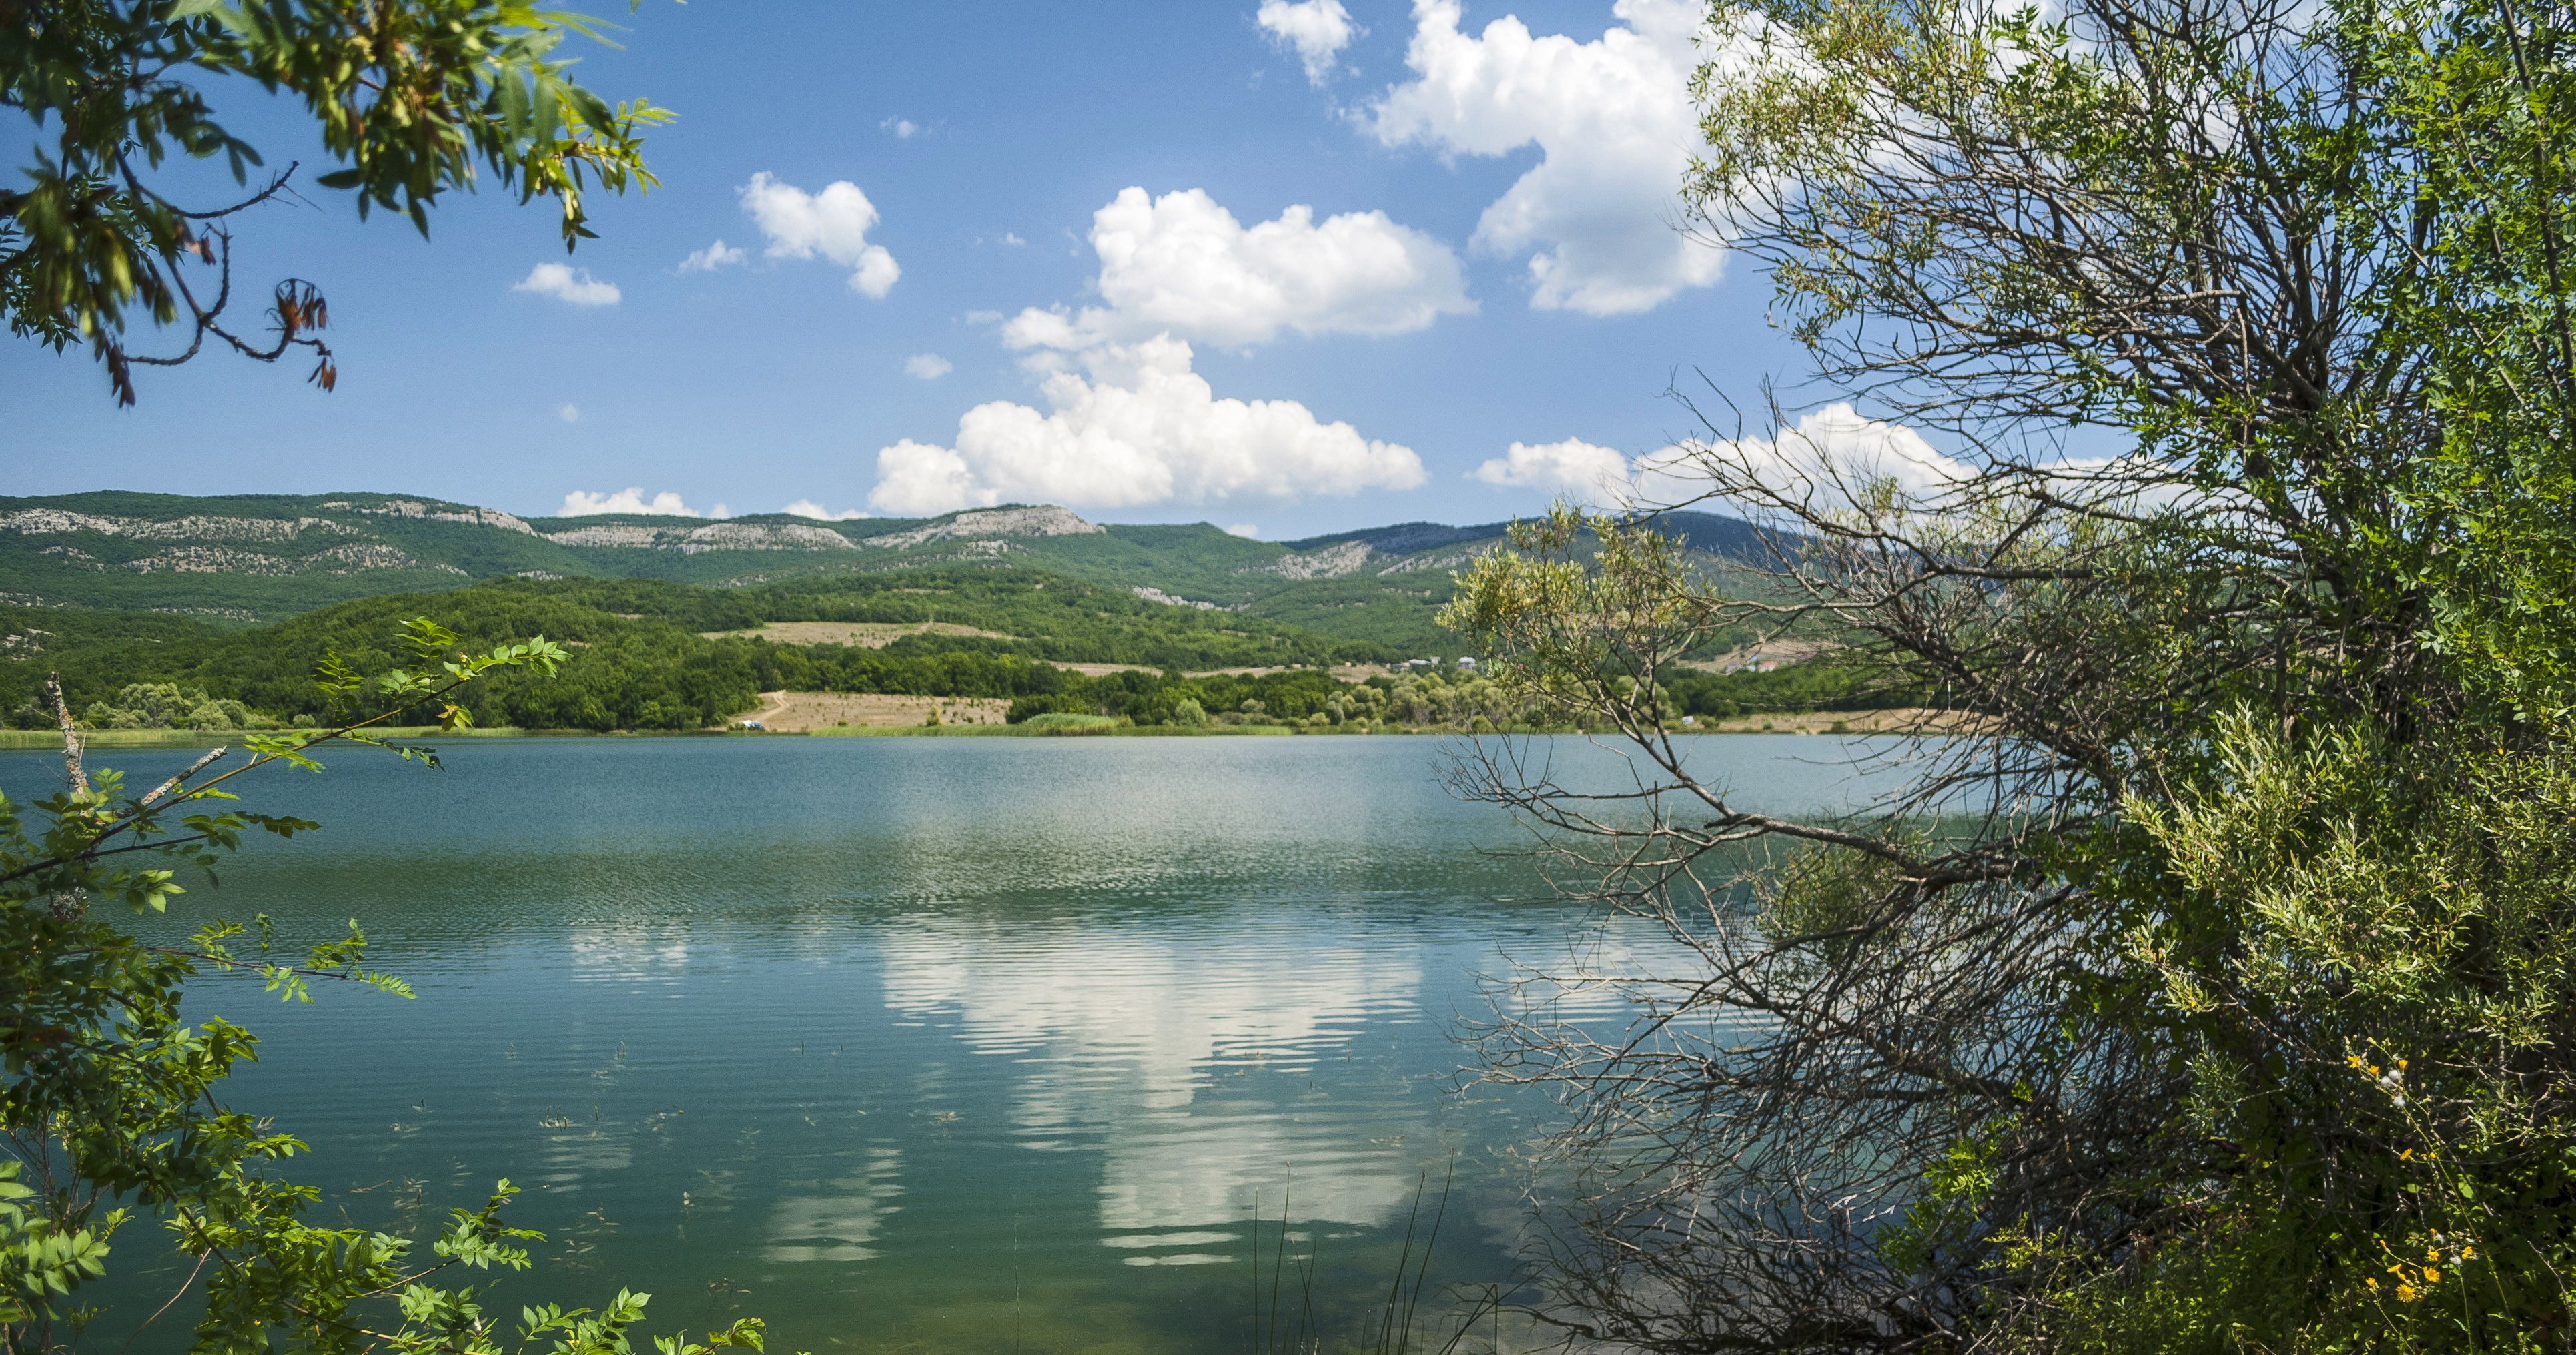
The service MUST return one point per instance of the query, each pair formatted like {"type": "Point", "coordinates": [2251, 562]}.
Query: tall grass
{"type": "Point", "coordinates": [1392, 1327]}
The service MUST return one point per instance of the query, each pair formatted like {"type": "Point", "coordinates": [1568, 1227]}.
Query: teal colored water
{"type": "Point", "coordinates": [942, 1044]}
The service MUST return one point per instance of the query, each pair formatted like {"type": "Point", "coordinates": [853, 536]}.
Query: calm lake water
{"type": "Point", "coordinates": [946, 1044]}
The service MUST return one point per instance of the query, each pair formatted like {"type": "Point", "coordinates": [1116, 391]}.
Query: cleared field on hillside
{"type": "Point", "coordinates": [858, 634]}
{"type": "Point", "coordinates": [793, 712]}
{"type": "Point", "coordinates": [1898, 720]}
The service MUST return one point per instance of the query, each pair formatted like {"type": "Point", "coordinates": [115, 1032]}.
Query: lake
{"type": "Point", "coordinates": [913, 1043]}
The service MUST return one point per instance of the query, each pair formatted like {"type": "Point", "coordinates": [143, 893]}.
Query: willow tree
{"type": "Point", "coordinates": [2209, 983]}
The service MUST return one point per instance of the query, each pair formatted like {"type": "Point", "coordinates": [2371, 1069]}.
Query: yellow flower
{"type": "Point", "coordinates": [2371, 1282]}
{"type": "Point", "coordinates": [2431, 1257]}
{"type": "Point", "coordinates": [2406, 1293]}
{"type": "Point", "coordinates": [2352, 1060]}
{"type": "Point", "coordinates": [2432, 1276]}
{"type": "Point", "coordinates": [2467, 1252]}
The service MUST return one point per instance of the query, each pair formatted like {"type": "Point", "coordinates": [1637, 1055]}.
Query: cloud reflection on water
{"type": "Point", "coordinates": [1128, 1041]}
{"type": "Point", "coordinates": [839, 1224]}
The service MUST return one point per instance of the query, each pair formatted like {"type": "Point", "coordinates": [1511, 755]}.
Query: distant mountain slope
{"type": "Point", "coordinates": [264, 557]}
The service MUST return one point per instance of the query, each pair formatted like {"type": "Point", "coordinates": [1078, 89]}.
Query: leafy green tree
{"type": "Point", "coordinates": [110, 1098]}
{"type": "Point", "coordinates": [166, 705]}
{"type": "Point", "coordinates": [409, 97]}
{"type": "Point", "coordinates": [2204, 988]}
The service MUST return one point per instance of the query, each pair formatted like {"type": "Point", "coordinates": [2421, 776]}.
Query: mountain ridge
{"type": "Point", "coordinates": [255, 558]}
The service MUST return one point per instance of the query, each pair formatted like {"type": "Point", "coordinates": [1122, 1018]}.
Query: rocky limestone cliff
{"type": "Point", "coordinates": [1332, 562]}
{"type": "Point", "coordinates": [691, 537]}
{"type": "Point", "coordinates": [986, 523]}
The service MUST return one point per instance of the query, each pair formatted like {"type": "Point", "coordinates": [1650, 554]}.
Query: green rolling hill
{"type": "Point", "coordinates": [259, 558]}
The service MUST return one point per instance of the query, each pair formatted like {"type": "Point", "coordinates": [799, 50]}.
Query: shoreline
{"type": "Point", "coordinates": [43, 740]}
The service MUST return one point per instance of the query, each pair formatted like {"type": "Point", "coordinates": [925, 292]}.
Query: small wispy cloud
{"type": "Point", "coordinates": [582, 504]}
{"type": "Point", "coordinates": [807, 508]}
{"type": "Point", "coordinates": [1012, 238]}
{"type": "Point", "coordinates": [569, 413]}
{"type": "Point", "coordinates": [574, 286]}
{"type": "Point", "coordinates": [903, 129]}
{"type": "Point", "coordinates": [927, 366]}
{"type": "Point", "coordinates": [1247, 530]}
{"type": "Point", "coordinates": [1316, 30]}
{"type": "Point", "coordinates": [713, 257]}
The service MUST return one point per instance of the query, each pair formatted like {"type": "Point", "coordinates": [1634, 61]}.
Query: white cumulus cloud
{"type": "Point", "coordinates": [566, 283]}
{"type": "Point", "coordinates": [1182, 265]}
{"type": "Point", "coordinates": [807, 508]}
{"type": "Point", "coordinates": [1316, 30]}
{"type": "Point", "coordinates": [1830, 449]}
{"type": "Point", "coordinates": [833, 223]}
{"type": "Point", "coordinates": [1136, 426]}
{"type": "Point", "coordinates": [1247, 530]}
{"type": "Point", "coordinates": [1834, 446]}
{"type": "Point", "coordinates": [1613, 122]}
{"type": "Point", "coordinates": [582, 504]}
{"type": "Point", "coordinates": [927, 366]}
{"type": "Point", "coordinates": [1574, 468]}
{"type": "Point", "coordinates": [713, 257]}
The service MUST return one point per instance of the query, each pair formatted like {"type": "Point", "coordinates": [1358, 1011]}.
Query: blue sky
{"type": "Point", "coordinates": [1079, 227]}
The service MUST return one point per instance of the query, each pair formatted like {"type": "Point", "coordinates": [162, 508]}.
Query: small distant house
{"type": "Point", "coordinates": [754, 724]}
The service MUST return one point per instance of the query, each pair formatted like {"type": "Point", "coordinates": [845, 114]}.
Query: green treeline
{"type": "Point", "coordinates": [627, 672]}
{"type": "Point", "coordinates": [1445, 697]}
{"type": "Point", "coordinates": [1044, 616]}
{"type": "Point", "coordinates": [642, 659]}
{"type": "Point", "coordinates": [1822, 684]}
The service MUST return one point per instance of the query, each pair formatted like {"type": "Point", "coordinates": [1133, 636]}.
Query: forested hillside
{"type": "Point", "coordinates": [656, 655]}
{"type": "Point", "coordinates": [250, 559]}
{"type": "Point", "coordinates": [652, 655]}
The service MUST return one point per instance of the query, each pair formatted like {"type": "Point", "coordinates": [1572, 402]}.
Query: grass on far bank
{"type": "Point", "coordinates": [1898, 722]}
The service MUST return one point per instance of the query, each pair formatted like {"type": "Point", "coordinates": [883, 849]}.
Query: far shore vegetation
{"type": "Point", "coordinates": [675, 658]}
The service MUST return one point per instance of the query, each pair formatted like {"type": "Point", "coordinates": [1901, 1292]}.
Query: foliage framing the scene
{"type": "Point", "coordinates": [409, 97]}
{"type": "Point", "coordinates": [2207, 987]}
{"type": "Point", "coordinates": [109, 1095]}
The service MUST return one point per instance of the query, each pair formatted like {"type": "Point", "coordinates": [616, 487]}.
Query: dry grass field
{"type": "Point", "coordinates": [799, 712]}
{"type": "Point", "coordinates": [1105, 669]}
{"type": "Point", "coordinates": [1904, 720]}
{"type": "Point", "coordinates": [857, 634]}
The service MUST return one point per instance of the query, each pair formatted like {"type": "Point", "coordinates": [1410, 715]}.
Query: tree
{"type": "Point", "coordinates": [2206, 985]}
{"type": "Point", "coordinates": [409, 97]}
{"type": "Point", "coordinates": [110, 1097]}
